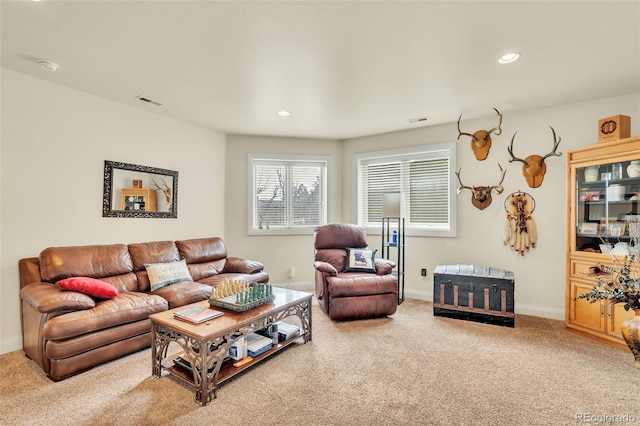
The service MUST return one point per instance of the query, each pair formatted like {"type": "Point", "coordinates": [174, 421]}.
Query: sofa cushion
{"type": "Point", "coordinates": [153, 252]}
{"type": "Point", "coordinates": [335, 257]}
{"type": "Point", "coordinates": [339, 235]}
{"type": "Point", "coordinates": [89, 286]}
{"type": "Point", "coordinates": [46, 298]}
{"type": "Point", "coordinates": [163, 274]}
{"type": "Point", "coordinates": [57, 263]}
{"type": "Point", "coordinates": [360, 260]}
{"type": "Point", "coordinates": [202, 249]}
{"type": "Point", "coordinates": [57, 349]}
{"type": "Point", "coordinates": [259, 277]}
{"type": "Point", "coordinates": [127, 307]}
{"type": "Point", "coordinates": [180, 294]}
{"type": "Point", "coordinates": [244, 266]}
{"type": "Point", "coordinates": [124, 282]}
{"type": "Point", "coordinates": [199, 271]}
{"type": "Point", "coordinates": [360, 284]}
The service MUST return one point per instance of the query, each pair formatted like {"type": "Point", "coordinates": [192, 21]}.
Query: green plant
{"type": "Point", "coordinates": [618, 283]}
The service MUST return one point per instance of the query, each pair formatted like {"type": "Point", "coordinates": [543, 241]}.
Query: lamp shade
{"type": "Point", "coordinates": [392, 204]}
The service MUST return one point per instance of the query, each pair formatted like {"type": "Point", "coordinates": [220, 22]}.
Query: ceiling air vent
{"type": "Point", "coordinates": [149, 101]}
{"type": "Point", "coordinates": [418, 120]}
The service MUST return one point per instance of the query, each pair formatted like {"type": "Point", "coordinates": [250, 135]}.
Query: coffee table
{"type": "Point", "coordinates": [206, 345]}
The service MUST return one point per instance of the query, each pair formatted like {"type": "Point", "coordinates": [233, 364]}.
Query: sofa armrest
{"type": "Point", "coordinates": [384, 266]}
{"type": "Point", "coordinates": [243, 266]}
{"type": "Point", "coordinates": [326, 267]}
{"type": "Point", "coordinates": [46, 298]}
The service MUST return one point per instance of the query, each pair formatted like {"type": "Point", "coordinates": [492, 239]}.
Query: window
{"type": "Point", "coordinates": [423, 174]}
{"type": "Point", "coordinates": [289, 194]}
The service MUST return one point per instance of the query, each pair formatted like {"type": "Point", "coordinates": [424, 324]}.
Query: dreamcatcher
{"type": "Point", "coordinates": [520, 231]}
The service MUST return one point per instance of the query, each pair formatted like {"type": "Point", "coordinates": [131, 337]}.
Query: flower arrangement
{"type": "Point", "coordinates": [618, 283]}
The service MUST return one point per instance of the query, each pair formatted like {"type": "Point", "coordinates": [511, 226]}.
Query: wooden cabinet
{"type": "Point", "coordinates": [135, 199]}
{"type": "Point", "coordinates": [602, 213]}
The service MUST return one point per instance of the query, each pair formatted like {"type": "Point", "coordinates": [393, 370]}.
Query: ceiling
{"type": "Point", "coordinates": [343, 69]}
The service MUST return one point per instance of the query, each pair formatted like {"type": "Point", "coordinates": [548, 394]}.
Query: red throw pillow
{"type": "Point", "coordinates": [89, 286]}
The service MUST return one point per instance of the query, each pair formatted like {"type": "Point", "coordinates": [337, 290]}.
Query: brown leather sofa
{"type": "Point", "coordinates": [351, 295]}
{"type": "Point", "coordinates": [67, 332]}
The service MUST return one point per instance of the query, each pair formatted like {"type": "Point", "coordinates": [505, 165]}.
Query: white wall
{"type": "Point", "coordinates": [276, 252]}
{"type": "Point", "coordinates": [54, 143]}
{"type": "Point", "coordinates": [540, 274]}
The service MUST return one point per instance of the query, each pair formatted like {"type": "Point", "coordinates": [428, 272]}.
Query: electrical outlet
{"type": "Point", "coordinates": [423, 273]}
{"type": "Point", "coordinates": [292, 271]}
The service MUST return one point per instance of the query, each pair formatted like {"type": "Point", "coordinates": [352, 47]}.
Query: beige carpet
{"type": "Point", "coordinates": [408, 369]}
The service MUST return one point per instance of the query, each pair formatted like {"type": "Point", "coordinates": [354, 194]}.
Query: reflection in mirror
{"type": "Point", "coordinates": [131, 190]}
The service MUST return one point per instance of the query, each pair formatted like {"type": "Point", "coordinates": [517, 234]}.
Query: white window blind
{"type": "Point", "coordinates": [423, 174]}
{"type": "Point", "coordinates": [288, 194]}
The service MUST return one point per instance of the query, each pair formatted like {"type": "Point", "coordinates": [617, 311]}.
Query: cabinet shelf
{"type": "Point", "coordinates": [604, 183]}
{"type": "Point", "coordinates": [605, 236]}
{"type": "Point", "coordinates": [603, 202]}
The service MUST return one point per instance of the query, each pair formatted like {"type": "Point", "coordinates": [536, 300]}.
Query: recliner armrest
{"type": "Point", "coordinates": [326, 267]}
{"type": "Point", "coordinates": [47, 297]}
{"type": "Point", "coordinates": [384, 266]}
{"type": "Point", "coordinates": [243, 266]}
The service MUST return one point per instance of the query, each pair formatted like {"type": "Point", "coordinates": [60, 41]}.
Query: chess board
{"type": "Point", "coordinates": [229, 302]}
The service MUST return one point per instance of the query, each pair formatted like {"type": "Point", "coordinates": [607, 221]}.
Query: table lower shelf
{"type": "Point", "coordinates": [227, 370]}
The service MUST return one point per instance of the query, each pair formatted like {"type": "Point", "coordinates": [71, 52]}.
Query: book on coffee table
{"type": "Point", "coordinates": [197, 315]}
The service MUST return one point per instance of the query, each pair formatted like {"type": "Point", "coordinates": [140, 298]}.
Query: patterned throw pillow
{"type": "Point", "coordinates": [360, 260]}
{"type": "Point", "coordinates": [89, 286]}
{"type": "Point", "coordinates": [163, 274]}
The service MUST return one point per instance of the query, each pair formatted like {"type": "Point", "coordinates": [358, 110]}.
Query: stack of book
{"type": "Point", "coordinates": [257, 344]}
{"type": "Point", "coordinates": [197, 315]}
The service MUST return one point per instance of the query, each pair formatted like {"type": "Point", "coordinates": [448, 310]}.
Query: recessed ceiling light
{"type": "Point", "coordinates": [509, 57]}
{"type": "Point", "coordinates": [47, 65]}
{"type": "Point", "coordinates": [284, 113]}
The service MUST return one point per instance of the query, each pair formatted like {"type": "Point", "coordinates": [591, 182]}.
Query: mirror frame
{"type": "Point", "coordinates": [107, 208]}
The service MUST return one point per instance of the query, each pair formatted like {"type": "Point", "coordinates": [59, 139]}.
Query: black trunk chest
{"type": "Point", "coordinates": [474, 293]}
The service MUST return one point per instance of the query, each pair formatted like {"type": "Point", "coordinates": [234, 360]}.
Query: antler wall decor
{"type": "Point", "coordinates": [520, 230]}
{"type": "Point", "coordinates": [481, 195]}
{"type": "Point", "coordinates": [534, 167]}
{"type": "Point", "coordinates": [481, 139]}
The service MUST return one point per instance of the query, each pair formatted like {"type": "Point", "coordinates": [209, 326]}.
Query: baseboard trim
{"type": "Point", "coordinates": [536, 311]}
{"type": "Point", "coordinates": [418, 294]}
{"type": "Point", "coordinates": [10, 345]}
{"type": "Point", "coordinates": [540, 311]}
{"type": "Point", "coordinates": [300, 285]}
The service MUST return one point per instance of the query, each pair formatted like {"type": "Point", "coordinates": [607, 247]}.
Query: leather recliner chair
{"type": "Point", "coordinates": [351, 295]}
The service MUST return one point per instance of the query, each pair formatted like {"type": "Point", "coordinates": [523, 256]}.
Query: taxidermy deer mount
{"type": "Point", "coordinates": [481, 195]}
{"type": "Point", "coordinates": [534, 167]}
{"type": "Point", "coordinates": [481, 139]}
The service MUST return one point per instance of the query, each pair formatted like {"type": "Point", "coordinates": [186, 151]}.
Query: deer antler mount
{"type": "Point", "coordinates": [481, 139]}
{"type": "Point", "coordinates": [481, 195]}
{"type": "Point", "coordinates": [534, 167]}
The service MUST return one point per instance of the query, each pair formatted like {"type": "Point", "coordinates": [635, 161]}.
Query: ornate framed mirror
{"type": "Point", "coordinates": [131, 190]}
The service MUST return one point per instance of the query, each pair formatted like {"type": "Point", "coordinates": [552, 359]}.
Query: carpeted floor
{"type": "Point", "coordinates": [408, 369]}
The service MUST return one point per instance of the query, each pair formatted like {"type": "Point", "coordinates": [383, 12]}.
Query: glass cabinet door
{"type": "Point", "coordinates": [607, 214]}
